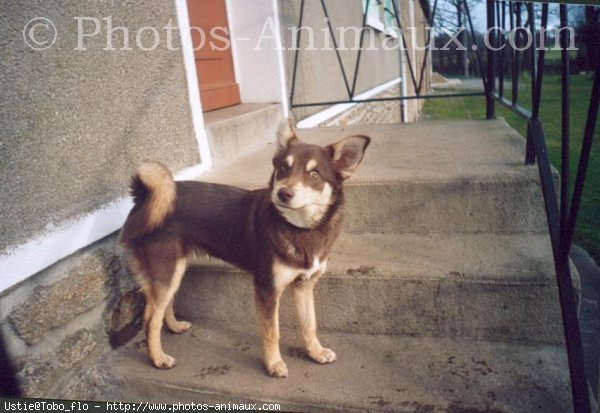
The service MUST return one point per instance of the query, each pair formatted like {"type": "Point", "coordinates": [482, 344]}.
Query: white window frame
{"type": "Point", "coordinates": [379, 18]}
{"type": "Point", "coordinates": [375, 17]}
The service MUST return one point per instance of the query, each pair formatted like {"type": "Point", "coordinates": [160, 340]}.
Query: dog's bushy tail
{"type": "Point", "coordinates": [153, 190]}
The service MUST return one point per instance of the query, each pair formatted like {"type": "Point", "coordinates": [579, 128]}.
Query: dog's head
{"type": "Point", "coordinates": [307, 179]}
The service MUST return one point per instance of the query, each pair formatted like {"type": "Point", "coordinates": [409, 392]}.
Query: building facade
{"type": "Point", "coordinates": [90, 89]}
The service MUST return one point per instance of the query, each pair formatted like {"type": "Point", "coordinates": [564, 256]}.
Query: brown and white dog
{"type": "Point", "coordinates": [282, 235]}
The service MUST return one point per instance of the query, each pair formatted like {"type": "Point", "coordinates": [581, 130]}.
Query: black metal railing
{"type": "Point", "coordinates": [403, 53]}
{"type": "Point", "coordinates": [561, 211]}
{"type": "Point", "coordinates": [503, 18]}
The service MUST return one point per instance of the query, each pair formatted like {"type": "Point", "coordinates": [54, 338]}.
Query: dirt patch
{"type": "Point", "coordinates": [212, 371]}
{"type": "Point", "coordinates": [362, 271]}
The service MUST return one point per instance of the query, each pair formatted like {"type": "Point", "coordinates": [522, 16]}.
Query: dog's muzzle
{"type": "Point", "coordinates": [285, 195]}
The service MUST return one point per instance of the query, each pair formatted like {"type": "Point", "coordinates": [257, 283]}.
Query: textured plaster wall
{"type": "Point", "coordinates": [319, 77]}
{"type": "Point", "coordinates": [75, 123]}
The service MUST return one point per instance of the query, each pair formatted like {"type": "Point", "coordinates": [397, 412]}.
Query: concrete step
{"type": "Point", "coordinates": [219, 363]}
{"type": "Point", "coordinates": [237, 130]}
{"type": "Point", "coordinates": [473, 286]}
{"type": "Point", "coordinates": [427, 177]}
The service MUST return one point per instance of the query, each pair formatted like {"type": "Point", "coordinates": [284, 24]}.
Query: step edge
{"type": "Point", "coordinates": [258, 111]}
{"type": "Point", "coordinates": [487, 278]}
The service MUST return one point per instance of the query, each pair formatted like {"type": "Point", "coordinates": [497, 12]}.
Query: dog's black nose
{"type": "Point", "coordinates": [285, 194]}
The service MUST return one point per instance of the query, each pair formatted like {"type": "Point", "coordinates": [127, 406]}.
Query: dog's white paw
{"type": "Point", "coordinates": [179, 327]}
{"type": "Point", "coordinates": [278, 369]}
{"type": "Point", "coordinates": [164, 361]}
{"type": "Point", "coordinates": [323, 355]}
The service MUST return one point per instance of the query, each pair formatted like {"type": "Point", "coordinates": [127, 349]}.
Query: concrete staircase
{"type": "Point", "coordinates": [440, 296]}
{"type": "Point", "coordinates": [238, 130]}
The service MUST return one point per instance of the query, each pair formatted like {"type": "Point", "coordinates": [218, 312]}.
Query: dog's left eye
{"type": "Point", "coordinates": [314, 174]}
{"type": "Point", "coordinates": [284, 168]}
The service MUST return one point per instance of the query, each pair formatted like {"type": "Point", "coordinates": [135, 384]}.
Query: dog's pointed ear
{"type": "Point", "coordinates": [348, 153]}
{"type": "Point", "coordinates": [286, 134]}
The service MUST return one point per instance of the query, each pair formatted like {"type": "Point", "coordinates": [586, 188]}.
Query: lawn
{"type": "Point", "coordinates": [587, 232]}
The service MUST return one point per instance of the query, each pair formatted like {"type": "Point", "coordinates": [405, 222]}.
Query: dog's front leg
{"type": "Point", "coordinates": [305, 310]}
{"type": "Point", "coordinates": [267, 309]}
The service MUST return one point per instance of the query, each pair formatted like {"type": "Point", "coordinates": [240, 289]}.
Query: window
{"type": "Point", "coordinates": [381, 16]}
{"type": "Point", "coordinates": [374, 13]}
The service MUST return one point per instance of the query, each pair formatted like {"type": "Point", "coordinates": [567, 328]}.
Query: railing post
{"type": "Point", "coordinates": [535, 87]}
{"type": "Point", "coordinates": [565, 120]}
{"type": "Point", "coordinates": [502, 21]}
{"type": "Point", "coordinates": [515, 20]}
{"type": "Point", "coordinates": [490, 108]}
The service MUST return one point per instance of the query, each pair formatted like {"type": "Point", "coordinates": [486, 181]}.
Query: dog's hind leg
{"type": "Point", "coordinates": [174, 325]}
{"type": "Point", "coordinates": [162, 294]}
{"type": "Point", "coordinates": [145, 287]}
{"type": "Point", "coordinates": [148, 310]}
{"type": "Point", "coordinates": [305, 309]}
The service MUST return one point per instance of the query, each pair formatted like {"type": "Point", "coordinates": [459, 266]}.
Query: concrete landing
{"type": "Point", "coordinates": [222, 364]}
{"type": "Point", "coordinates": [416, 152]}
{"type": "Point", "coordinates": [439, 176]}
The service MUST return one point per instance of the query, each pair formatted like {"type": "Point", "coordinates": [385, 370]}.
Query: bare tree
{"type": "Point", "coordinates": [452, 15]}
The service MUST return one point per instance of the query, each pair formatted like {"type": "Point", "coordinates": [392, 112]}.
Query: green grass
{"type": "Point", "coordinates": [555, 55]}
{"type": "Point", "coordinates": [587, 232]}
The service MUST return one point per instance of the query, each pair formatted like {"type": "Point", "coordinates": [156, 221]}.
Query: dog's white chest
{"type": "Point", "coordinates": [316, 267]}
{"type": "Point", "coordinates": [285, 274]}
